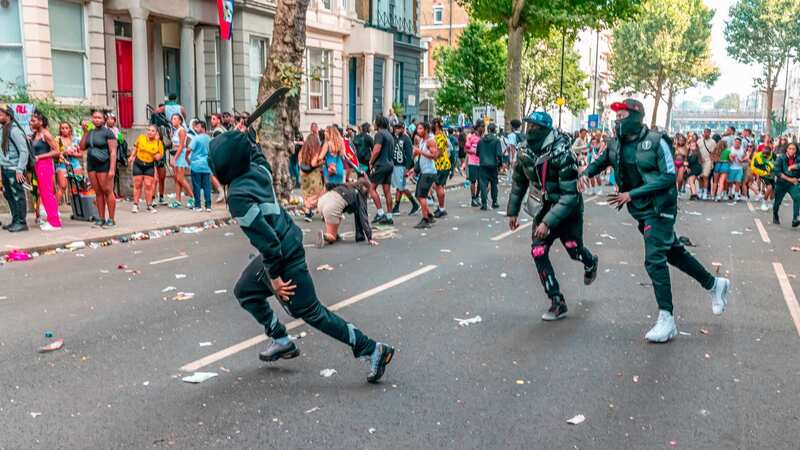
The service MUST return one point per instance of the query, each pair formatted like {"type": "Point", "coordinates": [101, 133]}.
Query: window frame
{"type": "Point", "coordinates": [327, 5]}
{"type": "Point", "coordinates": [21, 48]}
{"type": "Point", "coordinates": [85, 52]}
{"type": "Point", "coordinates": [438, 9]}
{"type": "Point", "coordinates": [397, 89]}
{"type": "Point", "coordinates": [325, 94]}
{"type": "Point", "coordinates": [264, 55]}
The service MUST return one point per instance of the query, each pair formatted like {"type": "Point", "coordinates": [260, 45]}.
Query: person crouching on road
{"type": "Point", "coordinates": [345, 198]}
{"type": "Point", "coordinates": [787, 174]}
{"type": "Point", "coordinates": [549, 166]}
{"type": "Point", "coordinates": [645, 170]}
{"type": "Point", "coordinates": [281, 268]}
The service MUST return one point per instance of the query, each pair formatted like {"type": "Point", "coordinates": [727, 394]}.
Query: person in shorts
{"type": "Point", "coordinates": [442, 164]}
{"type": "Point", "coordinates": [721, 169]}
{"type": "Point", "coordinates": [380, 171]}
{"type": "Point", "coordinates": [738, 159]}
{"type": "Point", "coordinates": [348, 198]}
{"type": "Point", "coordinates": [427, 151]}
{"type": "Point", "coordinates": [147, 150]}
{"type": "Point", "coordinates": [403, 160]}
{"type": "Point", "coordinates": [473, 162]}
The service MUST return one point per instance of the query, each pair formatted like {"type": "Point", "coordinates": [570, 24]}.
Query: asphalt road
{"type": "Point", "coordinates": [509, 381]}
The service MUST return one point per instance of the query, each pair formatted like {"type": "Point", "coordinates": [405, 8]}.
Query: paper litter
{"type": "Point", "coordinates": [327, 373]}
{"type": "Point", "coordinates": [327, 267]}
{"type": "Point", "coordinates": [468, 322]}
{"type": "Point", "coordinates": [169, 288]}
{"type": "Point", "coordinates": [179, 276]}
{"type": "Point", "coordinates": [57, 344]}
{"type": "Point", "coordinates": [182, 296]}
{"type": "Point", "coordinates": [576, 420]}
{"type": "Point", "coordinates": [199, 377]}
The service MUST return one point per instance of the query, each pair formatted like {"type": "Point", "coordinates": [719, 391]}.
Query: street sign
{"type": "Point", "coordinates": [594, 121]}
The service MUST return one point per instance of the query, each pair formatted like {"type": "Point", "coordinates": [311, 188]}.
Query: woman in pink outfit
{"type": "Point", "coordinates": [473, 162]}
{"type": "Point", "coordinates": [45, 152]}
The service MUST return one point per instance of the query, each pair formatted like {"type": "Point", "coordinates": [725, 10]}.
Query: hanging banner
{"type": "Point", "coordinates": [23, 112]}
{"type": "Point", "coordinates": [225, 11]}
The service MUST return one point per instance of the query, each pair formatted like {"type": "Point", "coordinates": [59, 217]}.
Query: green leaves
{"type": "Point", "coordinates": [541, 75]}
{"type": "Point", "coordinates": [473, 73]}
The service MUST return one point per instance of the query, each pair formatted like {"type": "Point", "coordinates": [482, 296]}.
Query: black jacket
{"type": "Point", "coordinates": [782, 167]}
{"type": "Point", "coordinates": [363, 143]}
{"type": "Point", "coordinates": [490, 151]}
{"type": "Point", "coordinates": [252, 201]}
{"type": "Point", "coordinates": [657, 193]}
{"type": "Point", "coordinates": [357, 206]}
{"type": "Point", "coordinates": [554, 173]}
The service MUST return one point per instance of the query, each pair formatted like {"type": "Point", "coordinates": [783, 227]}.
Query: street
{"type": "Point", "coordinates": [507, 381]}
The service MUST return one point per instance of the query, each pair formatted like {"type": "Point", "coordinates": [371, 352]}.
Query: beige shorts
{"type": "Point", "coordinates": [331, 205]}
{"type": "Point", "coordinates": [707, 166]}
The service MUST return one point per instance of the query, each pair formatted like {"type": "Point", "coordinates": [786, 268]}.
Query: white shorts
{"type": "Point", "coordinates": [331, 206]}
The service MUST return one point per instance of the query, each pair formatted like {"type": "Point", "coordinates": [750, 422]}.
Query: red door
{"type": "Point", "coordinates": [125, 83]}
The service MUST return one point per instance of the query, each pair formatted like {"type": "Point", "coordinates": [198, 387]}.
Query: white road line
{"type": "Point", "coordinates": [761, 230]}
{"type": "Point", "coordinates": [222, 354]}
{"type": "Point", "coordinates": [788, 295]}
{"type": "Point", "coordinates": [510, 232]}
{"type": "Point", "coordinates": [166, 260]}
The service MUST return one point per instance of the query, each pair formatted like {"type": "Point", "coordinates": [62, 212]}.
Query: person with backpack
{"type": "Point", "coordinates": [14, 154]}
{"type": "Point", "coordinates": [645, 173]}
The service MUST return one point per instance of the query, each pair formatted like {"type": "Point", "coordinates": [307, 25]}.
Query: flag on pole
{"type": "Point", "coordinates": [225, 11]}
{"type": "Point", "coordinates": [350, 157]}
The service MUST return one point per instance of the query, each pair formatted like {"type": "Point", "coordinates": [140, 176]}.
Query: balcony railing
{"type": "Point", "coordinates": [391, 22]}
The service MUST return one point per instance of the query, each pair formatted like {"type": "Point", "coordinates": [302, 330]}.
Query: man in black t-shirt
{"type": "Point", "coordinates": [380, 171]}
{"type": "Point", "coordinates": [402, 158]}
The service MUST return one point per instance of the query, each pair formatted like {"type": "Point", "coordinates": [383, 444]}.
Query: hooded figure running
{"type": "Point", "coordinates": [548, 166]}
{"type": "Point", "coordinates": [281, 268]}
{"type": "Point", "coordinates": [643, 163]}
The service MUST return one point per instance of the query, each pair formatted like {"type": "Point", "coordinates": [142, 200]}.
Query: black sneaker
{"type": "Point", "coordinates": [795, 223]}
{"type": "Point", "coordinates": [378, 361]}
{"type": "Point", "coordinates": [423, 224]}
{"type": "Point", "coordinates": [414, 209]}
{"type": "Point", "coordinates": [396, 209]}
{"type": "Point", "coordinates": [475, 202]}
{"type": "Point", "coordinates": [386, 220]}
{"type": "Point", "coordinates": [277, 351]}
{"type": "Point", "coordinates": [776, 220]}
{"type": "Point", "coordinates": [439, 213]}
{"type": "Point", "coordinates": [378, 218]}
{"type": "Point", "coordinates": [484, 208]}
{"type": "Point", "coordinates": [590, 274]}
{"type": "Point", "coordinates": [309, 216]}
{"type": "Point", "coordinates": [558, 309]}
{"type": "Point", "coordinates": [17, 227]}
{"type": "Point", "coordinates": [495, 205]}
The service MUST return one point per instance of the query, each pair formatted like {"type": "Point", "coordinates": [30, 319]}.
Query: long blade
{"type": "Point", "coordinates": [274, 98]}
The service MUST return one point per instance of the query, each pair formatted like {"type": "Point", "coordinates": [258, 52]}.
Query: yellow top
{"type": "Point", "coordinates": [147, 149]}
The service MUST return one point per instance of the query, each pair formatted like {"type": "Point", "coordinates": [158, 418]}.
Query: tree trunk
{"type": "Point", "coordinates": [670, 103]}
{"type": "Point", "coordinates": [516, 32]}
{"type": "Point", "coordinates": [277, 136]}
{"type": "Point", "coordinates": [659, 93]}
{"type": "Point", "coordinates": [768, 108]}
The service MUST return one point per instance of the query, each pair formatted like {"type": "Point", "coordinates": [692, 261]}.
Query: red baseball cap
{"type": "Point", "coordinates": [628, 104]}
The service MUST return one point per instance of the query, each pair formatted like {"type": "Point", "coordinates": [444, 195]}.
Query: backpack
{"type": "Point", "coordinates": [122, 153]}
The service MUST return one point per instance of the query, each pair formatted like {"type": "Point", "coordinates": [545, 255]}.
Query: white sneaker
{"type": "Point", "coordinates": [764, 206]}
{"type": "Point", "coordinates": [47, 227]}
{"type": "Point", "coordinates": [719, 295]}
{"type": "Point", "coordinates": [207, 210]}
{"type": "Point", "coordinates": [736, 197]}
{"type": "Point", "coordinates": [135, 209]}
{"type": "Point", "coordinates": [664, 329]}
{"type": "Point", "coordinates": [221, 197]}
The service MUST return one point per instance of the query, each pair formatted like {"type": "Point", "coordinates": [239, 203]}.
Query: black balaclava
{"type": "Point", "coordinates": [630, 126]}
{"type": "Point", "coordinates": [229, 156]}
{"type": "Point", "coordinates": [536, 136]}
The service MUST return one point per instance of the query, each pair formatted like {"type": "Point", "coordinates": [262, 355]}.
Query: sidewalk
{"type": "Point", "coordinates": [36, 240]}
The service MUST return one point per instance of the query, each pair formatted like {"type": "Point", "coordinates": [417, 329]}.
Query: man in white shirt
{"type": "Point", "coordinates": [706, 146]}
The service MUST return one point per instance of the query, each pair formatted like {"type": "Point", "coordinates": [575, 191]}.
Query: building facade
{"type": "Point", "coordinates": [129, 55]}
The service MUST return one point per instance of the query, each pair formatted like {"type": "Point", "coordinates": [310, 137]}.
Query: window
{"type": "Point", "coordinates": [12, 69]}
{"type": "Point", "coordinates": [318, 80]}
{"type": "Point", "coordinates": [438, 14]}
{"type": "Point", "coordinates": [258, 62]}
{"type": "Point", "coordinates": [68, 44]}
{"type": "Point", "coordinates": [123, 29]}
{"type": "Point", "coordinates": [217, 67]}
{"type": "Point", "coordinates": [326, 4]}
{"type": "Point", "coordinates": [398, 82]}
{"type": "Point", "coordinates": [345, 5]}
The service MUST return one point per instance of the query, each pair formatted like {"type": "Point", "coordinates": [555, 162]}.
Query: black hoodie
{"type": "Point", "coordinates": [239, 164]}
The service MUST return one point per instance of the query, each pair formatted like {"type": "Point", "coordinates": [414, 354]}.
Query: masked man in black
{"type": "Point", "coordinates": [281, 268]}
{"type": "Point", "coordinates": [548, 167]}
{"type": "Point", "coordinates": [645, 171]}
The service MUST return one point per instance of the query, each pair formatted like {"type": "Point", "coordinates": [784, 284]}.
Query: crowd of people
{"type": "Point", "coordinates": [731, 166]}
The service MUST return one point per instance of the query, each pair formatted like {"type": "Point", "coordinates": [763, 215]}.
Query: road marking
{"type": "Point", "coordinates": [510, 232]}
{"type": "Point", "coordinates": [761, 230]}
{"type": "Point", "coordinates": [788, 295]}
{"type": "Point", "coordinates": [751, 207]}
{"type": "Point", "coordinates": [166, 260]}
{"type": "Point", "coordinates": [222, 354]}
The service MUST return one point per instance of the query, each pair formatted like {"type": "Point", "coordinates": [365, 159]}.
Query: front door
{"type": "Point", "coordinates": [377, 89]}
{"type": "Point", "coordinates": [352, 90]}
{"type": "Point", "coordinates": [172, 70]}
{"type": "Point", "coordinates": [124, 83]}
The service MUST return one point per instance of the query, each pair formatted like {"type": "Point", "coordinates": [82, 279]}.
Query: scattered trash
{"type": "Point", "coordinates": [673, 444]}
{"type": "Point", "coordinates": [636, 378]}
{"type": "Point", "coordinates": [228, 234]}
{"type": "Point", "coordinates": [179, 276]}
{"type": "Point", "coordinates": [182, 296]}
{"type": "Point", "coordinates": [316, 408]}
{"type": "Point", "coordinates": [220, 291]}
{"type": "Point", "coordinates": [686, 241]}
{"type": "Point", "coordinates": [520, 381]}
{"type": "Point", "coordinates": [598, 243]}
{"type": "Point", "coordinates": [206, 344]}
{"type": "Point", "coordinates": [76, 245]}
{"type": "Point", "coordinates": [608, 236]}
{"type": "Point", "coordinates": [468, 322]}
{"type": "Point", "coordinates": [327, 373]}
{"type": "Point", "coordinates": [683, 333]}
{"type": "Point", "coordinates": [601, 203]}
{"type": "Point", "coordinates": [643, 284]}
{"type": "Point", "coordinates": [121, 266]}
{"type": "Point", "coordinates": [704, 412]}
{"type": "Point", "coordinates": [372, 430]}
{"type": "Point", "coordinates": [35, 414]}
{"type": "Point", "coordinates": [199, 377]}
{"type": "Point", "coordinates": [58, 344]}
{"type": "Point", "coordinates": [325, 267]}
{"type": "Point", "coordinates": [146, 383]}
{"type": "Point", "coordinates": [455, 228]}
{"type": "Point", "coordinates": [503, 275]}
{"type": "Point", "coordinates": [736, 232]}
{"type": "Point", "coordinates": [445, 250]}
{"type": "Point", "coordinates": [796, 249]}
{"type": "Point", "coordinates": [576, 420]}
{"type": "Point", "coordinates": [169, 288]}
{"type": "Point", "coordinates": [3, 297]}
{"type": "Point", "coordinates": [461, 263]}
{"type": "Point", "coordinates": [694, 213]}
{"type": "Point", "coordinates": [48, 334]}
{"type": "Point", "coordinates": [717, 266]}
{"type": "Point", "coordinates": [707, 356]}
